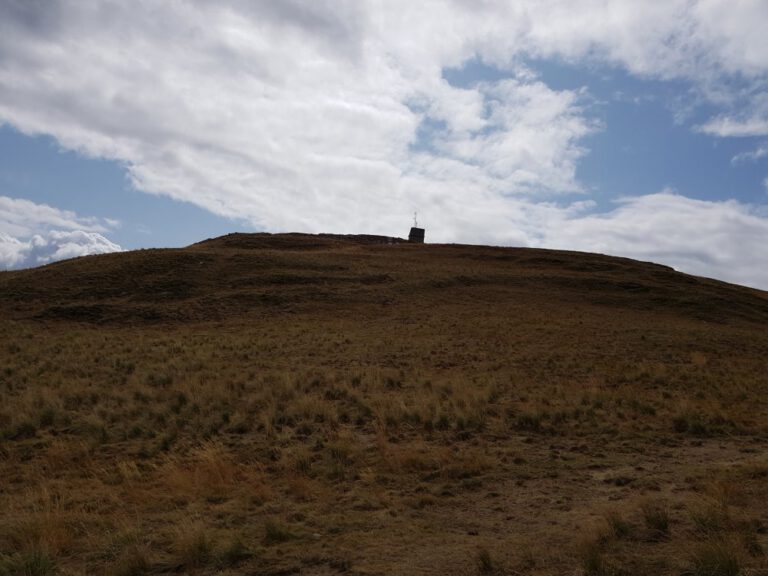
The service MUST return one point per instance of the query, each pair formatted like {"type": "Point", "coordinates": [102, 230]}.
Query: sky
{"type": "Point", "coordinates": [636, 129]}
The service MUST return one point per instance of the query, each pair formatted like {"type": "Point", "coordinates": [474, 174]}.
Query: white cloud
{"type": "Point", "coordinates": [334, 115]}
{"type": "Point", "coordinates": [52, 246]}
{"type": "Point", "coordinates": [752, 120]}
{"type": "Point", "coordinates": [699, 237]}
{"type": "Point", "coordinates": [728, 127]}
{"type": "Point", "coordinates": [33, 234]}
{"type": "Point", "coordinates": [751, 155]}
{"type": "Point", "coordinates": [59, 245]}
{"type": "Point", "coordinates": [11, 251]}
{"type": "Point", "coordinates": [733, 33]}
{"type": "Point", "coordinates": [19, 217]}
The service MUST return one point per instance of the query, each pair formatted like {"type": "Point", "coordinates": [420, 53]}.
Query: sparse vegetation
{"type": "Point", "coordinates": [193, 547]}
{"type": "Point", "coordinates": [656, 517]}
{"type": "Point", "coordinates": [715, 558]}
{"type": "Point", "coordinates": [276, 533]}
{"type": "Point", "coordinates": [485, 563]}
{"type": "Point", "coordinates": [619, 527]}
{"type": "Point", "coordinates": [234, 554]}
{"type": "Point", "coordinates": [593, 558]}
{"type": "Point", "coordinates": [31, 563]}
{"type": "Point", "coordinates": [309, 407]}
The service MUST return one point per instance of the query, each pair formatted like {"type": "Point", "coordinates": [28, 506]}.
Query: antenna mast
{"type": "Point", "coordinates": [417, 234]}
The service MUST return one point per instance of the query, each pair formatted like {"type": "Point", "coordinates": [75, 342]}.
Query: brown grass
{"type": "Point", "coordinates": [319, 406]}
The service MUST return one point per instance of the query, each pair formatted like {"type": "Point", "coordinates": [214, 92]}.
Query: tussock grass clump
{"type": "Point", "coordinates": [529, 422]}
{"type": "Point", "coordinates": [134, 560]}
{"type": "Point", "coordinates": [710, 519]}
{"type": "Point", "coordinates": [715, 558]}
{"type": "Point", "coordinates": [619, 527]}
{"type": "Point", "coordinates": [275, 532]}
{"type": "Point", "coordinates": [194, 546]}
{"type": "Point", "coordinates": [657, 519]}
{"type": "Point", "coordinates": [31, 563]}
{"type": "Point", "coordinates": [48, 531]}
{"type": "Point", "coordinates": [593, 558]}
{"type": "Point", "coordinates": [486, 566]}
{"type": "Point", "coordinates": [209, 472]}
{"type": "Point", "coordinates": [234, 553]}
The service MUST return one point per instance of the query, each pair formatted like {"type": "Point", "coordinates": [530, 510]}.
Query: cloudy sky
{"type": "Point", "coordinates": [617, 126]}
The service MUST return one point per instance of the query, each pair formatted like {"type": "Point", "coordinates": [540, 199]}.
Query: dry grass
{"type": "Point", "coordinates": [379, 410]}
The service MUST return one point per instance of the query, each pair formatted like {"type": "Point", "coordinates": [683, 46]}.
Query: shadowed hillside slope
{"type": "Point", "coordinates": [260, 275]}
{"type": "Point", "coordinates": [299, 404]}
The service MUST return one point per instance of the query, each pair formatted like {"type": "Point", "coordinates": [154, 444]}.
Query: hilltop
{"type": "Point", "coordinates": [265, 274]}
{"type": "Point", "coordinates": [322, 404]}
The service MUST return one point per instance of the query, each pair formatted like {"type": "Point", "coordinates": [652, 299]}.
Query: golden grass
{"type": "Point", "coordinates": [472, 425]}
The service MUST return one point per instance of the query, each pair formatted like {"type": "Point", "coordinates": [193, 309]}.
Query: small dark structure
{"type": "Point", "coordinates": [416, 236]}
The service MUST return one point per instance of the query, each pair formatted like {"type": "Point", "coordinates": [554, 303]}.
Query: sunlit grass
{"type": "Point", "coordinates": [479, 428]}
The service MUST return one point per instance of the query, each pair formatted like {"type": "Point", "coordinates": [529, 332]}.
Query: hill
{"type": "Point", "coordinates": [280, 404]}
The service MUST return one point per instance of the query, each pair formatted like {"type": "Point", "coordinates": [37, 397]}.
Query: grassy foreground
{"type": "Point", "coordinates": [319, 405]}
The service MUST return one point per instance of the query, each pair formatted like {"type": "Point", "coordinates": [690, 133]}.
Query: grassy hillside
{"type": "Point", "coordinates": [295, 404]}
